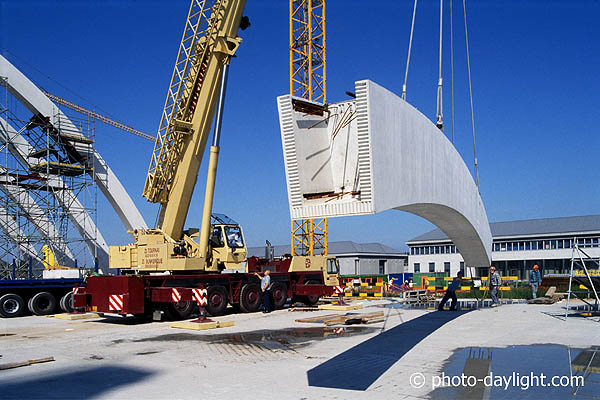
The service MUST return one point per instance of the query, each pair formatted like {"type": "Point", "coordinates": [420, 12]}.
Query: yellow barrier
{"type": "Point", "coordinates": [504, 278]}
{"type": "Point", "coordinates": [500, 287]}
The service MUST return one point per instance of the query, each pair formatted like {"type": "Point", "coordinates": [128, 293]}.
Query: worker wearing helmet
{"type": "Point", "coordinates": [535, 278]}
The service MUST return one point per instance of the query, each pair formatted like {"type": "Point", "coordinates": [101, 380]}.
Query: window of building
{"type": "Point", "coordinates": [534, 245]}
{"type": "Point", "coordinates": [462, 266]}
{"type": "Point", "coordinates": [431, 267]}
{"type": "Point", "coordinates": [417, 267]}
{"type": "Point", "coordinates": [527, 245]}
{"type": "Point", "coordinates": [595, 242]}
{"type": "Point", "coordinates": [356, 267]}
{"type": "Point", "coordinates": [382, 267]}
{"type": "Point", "coordinates": [496, 246]}
{"type": "Point", "coordinates": [521, 246]}
{"type": "Point", "coordinates": [437, 249]}
{"type": "Point", "coordinates": [427, 250]}
{"type": "Point", "coordinates": [447, 268]}
{"type": "Point", "coordinates": [509, 246]}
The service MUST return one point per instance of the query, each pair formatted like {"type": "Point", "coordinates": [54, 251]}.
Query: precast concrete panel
{"type": "Point", "coordinates": [376, 153]}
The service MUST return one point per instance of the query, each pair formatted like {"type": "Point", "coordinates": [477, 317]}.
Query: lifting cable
{"type": "Point", "coordinates": [471, 96]}
{"type": "Point", "coordinates": [439, 111]}
{"type": "Point", "coordinates": [412, 27]}
{"type": "Point", "coordinates": [452, 68]}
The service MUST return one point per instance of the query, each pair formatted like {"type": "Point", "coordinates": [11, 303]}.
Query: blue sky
{"type": "Point", "coordinates": [535, 85]}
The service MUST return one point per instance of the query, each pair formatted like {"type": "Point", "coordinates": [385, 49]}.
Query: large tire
{"type": "Point", "coordinates": [279, 295]}
{"type": "Point", "coordinates": [250, 298]}
{"type": "Point", "coordinates": [310, 300]}
{"type": "Point", "coordinates": [11, 305]}
{"type": "Point", "coordinates": [43, 303]}
{"type": "Point", "coordinates": [66, 303]}
{"type": "Point", "coordinates": [216, 300]}
{"type": "Point", "coordinates": [181, 310]}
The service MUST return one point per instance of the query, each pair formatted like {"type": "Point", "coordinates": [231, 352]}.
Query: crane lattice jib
{"type": "Point", "coordinates": [209, 41]}
{"type": "Point", "coordinates": [308, 80]}
{"type": "Point", "coordinates": [205, 23]}
{"type": "Point", "coordinates": [95, 115]}
{"type": "Point", "coordinates": [307, 50]}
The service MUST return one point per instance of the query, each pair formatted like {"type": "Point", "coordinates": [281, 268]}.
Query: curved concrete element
{"type": "Point", "coordinates": [36, 102]}
{"type": "Point", "coordinates": [377, 153]}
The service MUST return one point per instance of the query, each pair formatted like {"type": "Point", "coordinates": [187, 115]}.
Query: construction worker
{"type": "Point", "coordinates": [495, 282]}
{"type": "Point", "coordinates": [535, 278]}
{"type": "Point", "coordinates": [265, 286]}
{"type": "Point", "coordinates": [451, 293]}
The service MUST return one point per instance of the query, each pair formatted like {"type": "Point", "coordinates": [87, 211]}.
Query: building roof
{"type": "Point", "coordinates": [334, 248]}
{"type": "Point", "coordinates": [529, 227]}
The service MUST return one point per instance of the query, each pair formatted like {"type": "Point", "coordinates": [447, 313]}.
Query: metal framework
{"type": "Point", "coordinates": [44, 183]}
{"type": "Point", "coordinates": [307, 50]}
{"type": "Point", "coordinates": [308, 81]}
{"type": "Point", "coordinates": [580, 272]}
{"type": "Point", "coordinates": [95, 115]}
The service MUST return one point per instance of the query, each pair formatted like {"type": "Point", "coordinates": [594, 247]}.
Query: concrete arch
{"type": "Point", "coordinates": [377, 153]}
{"type": "Point", "coordinates": [37, 103]}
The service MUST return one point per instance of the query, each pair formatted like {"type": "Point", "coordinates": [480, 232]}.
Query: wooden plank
{"type": "Point", "coordinates": [321, 318]}
{"type": "Point", "coordinates": [25, 363]}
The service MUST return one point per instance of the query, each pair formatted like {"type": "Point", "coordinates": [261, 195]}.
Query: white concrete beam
{"type": "Point", "coordinates": [377, 153]}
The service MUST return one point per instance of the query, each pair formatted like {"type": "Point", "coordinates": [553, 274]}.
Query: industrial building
{"type": "Point", "coordinates": [354, 258]}
{"type": "Point", "coordinates": [516, 247]}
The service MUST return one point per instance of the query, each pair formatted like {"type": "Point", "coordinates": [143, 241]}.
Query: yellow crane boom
{"type": "Point", "coordinates": [209, 41]}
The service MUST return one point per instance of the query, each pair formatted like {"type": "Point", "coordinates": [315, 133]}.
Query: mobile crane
{"type": "Point", "coordinates": [165, 267]}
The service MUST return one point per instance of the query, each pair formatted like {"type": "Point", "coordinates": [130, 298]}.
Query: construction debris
{"type": "Point", "coordinates": [347, 319]}
{"type": "Point", "coordinates": [550, 297]}
{"type": "Point", "coordinates": [25, 363]}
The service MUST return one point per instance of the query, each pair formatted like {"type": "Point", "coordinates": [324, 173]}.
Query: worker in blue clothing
{"type": "Point", "coordinates": [495, 283]}
{"type": "Point", "coordinates": [535, 278]}
{"type": "Point", "coordinates": [451, 293]}
{"type": "Point", "coordinates": [265, 287]}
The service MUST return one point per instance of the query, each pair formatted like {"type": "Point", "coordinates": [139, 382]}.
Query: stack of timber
{"type": "Point", "coordinates": [347, 319]}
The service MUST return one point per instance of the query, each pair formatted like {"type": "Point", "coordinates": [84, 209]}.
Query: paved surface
{"type": "Point", "coordinates": [265, 355]}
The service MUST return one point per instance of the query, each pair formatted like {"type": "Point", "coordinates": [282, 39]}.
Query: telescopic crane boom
{"type": "Point", "coordinates": [209, 41]}
{"type": "Point", "coordinates": [196, 91]}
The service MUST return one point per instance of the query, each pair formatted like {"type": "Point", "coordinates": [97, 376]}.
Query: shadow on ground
{"type": "Point", "coordinates": [79, 383]}
{"type": "Point", "coordinates": [360, 366]}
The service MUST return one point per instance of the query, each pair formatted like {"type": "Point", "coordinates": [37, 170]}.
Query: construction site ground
{"type": "Point", "coordinates": [273, 356]}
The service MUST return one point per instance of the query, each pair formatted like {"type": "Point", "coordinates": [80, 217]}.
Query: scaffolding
{"type": "Point", "coordinates": [581, 276]}
{"type": "Point", "coordinates": [47, 190]}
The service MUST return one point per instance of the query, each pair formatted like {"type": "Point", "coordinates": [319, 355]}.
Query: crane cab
{"type": "Point", "coordinates": [227, 244]}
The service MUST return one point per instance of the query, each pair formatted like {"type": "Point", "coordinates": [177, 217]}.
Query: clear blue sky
{"type": "Point", "coordinates": [535, 84]}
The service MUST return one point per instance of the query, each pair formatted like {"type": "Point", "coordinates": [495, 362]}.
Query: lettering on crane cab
{"type": "Point", "coordinates": [307, 263]}
{"type": "Point", "coordinates": [152, 257]}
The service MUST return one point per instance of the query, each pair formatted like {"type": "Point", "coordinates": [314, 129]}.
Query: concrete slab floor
{"type": "Point", "coordinates": [271, 356]}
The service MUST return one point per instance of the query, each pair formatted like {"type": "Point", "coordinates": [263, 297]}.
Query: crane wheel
{"type": "Point", "coordinates": [250, 297]}
{"type": "Point", "coordinates": [180, 310]}
{"type": "Point", "coordinates": [216, 300]}
{"type": "Point", "coordinates": [11, 305]}
{"type": "Point", "coordinates": [279, 295]}
{"type": "Point", "coordinates": [43, 303]}
{"type": "Point", "coordinates": [310, 300]}
{"type": "Point", "coordinates": [66, 303]}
